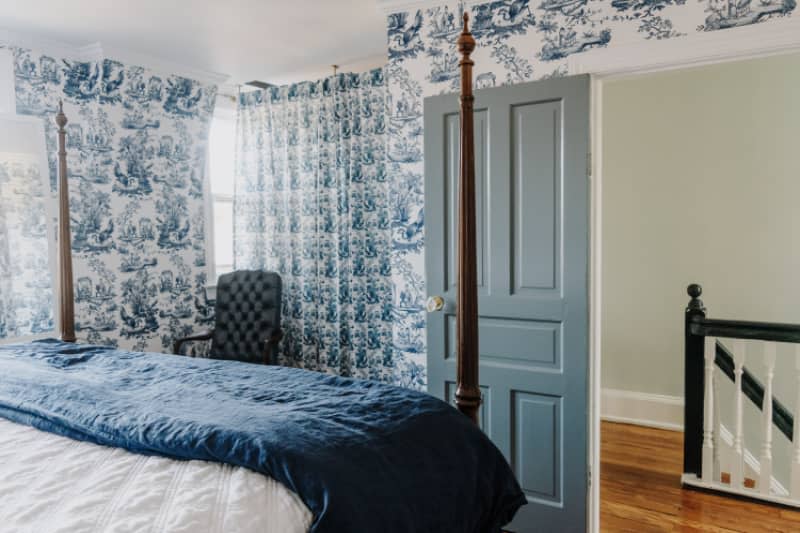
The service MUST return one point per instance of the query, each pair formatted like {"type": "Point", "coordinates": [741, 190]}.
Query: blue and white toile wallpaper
{"type": "Point", "coordinates": [136, 144]}
{"type": "Point", "coordinates": [517, 41]}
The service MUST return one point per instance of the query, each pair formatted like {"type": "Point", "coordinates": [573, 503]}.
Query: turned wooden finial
{"type": "Point", "coordinates": [466, 45]}
{"type": "Point", "coordinates": [61, 118]}
{"type": "Point", "coordinates": [695, 304]}
{"type": "Point", "coordinates": [466, 42]}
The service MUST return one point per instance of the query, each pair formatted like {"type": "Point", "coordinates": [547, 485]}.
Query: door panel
{"type": "Point", "coordinates": [536, 456]}
{"type": "Point", "coordinates": [452, 154]}
{"type": "Point", "coordinates": [536, 182]}
{"type": "Point", "coordinates": [513, 343]}
{"type": "Point", "coordinates": [531, 148]}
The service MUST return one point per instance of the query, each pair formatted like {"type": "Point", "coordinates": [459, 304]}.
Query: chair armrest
{"type": "Point", "coordinates": [202, 336]}
{"type": "Point", "coordinates": [273, 337]}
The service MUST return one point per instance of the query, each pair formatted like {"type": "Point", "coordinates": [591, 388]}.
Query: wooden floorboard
{"type": "Point", "coordinates": [640, 490]}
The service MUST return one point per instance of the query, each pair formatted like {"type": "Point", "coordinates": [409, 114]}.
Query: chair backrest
{"type": "Point", "coordinates": [248, 311]}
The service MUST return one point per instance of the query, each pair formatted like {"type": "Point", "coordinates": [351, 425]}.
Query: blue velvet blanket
{"type": "Point", "coordinates": [363, 456]}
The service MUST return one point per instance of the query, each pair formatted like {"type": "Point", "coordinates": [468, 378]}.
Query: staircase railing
{"type": "Point", "coordinates": [753, 389]}
{"type": "Point", "coordinates": [702, 430]}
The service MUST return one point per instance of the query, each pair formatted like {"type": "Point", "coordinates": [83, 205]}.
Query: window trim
{"type": "Point", "coordinates": [220, 199]}
{"type": "Point", "coordinates": [224, 109]}
{"type": "Point", "coordinates": [7, 83]}
{"type": "Point", "coordinates": [38, 148]}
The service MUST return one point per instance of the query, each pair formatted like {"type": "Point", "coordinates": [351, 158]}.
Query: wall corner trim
{"type": "Point", "coordinates": [642, 409]}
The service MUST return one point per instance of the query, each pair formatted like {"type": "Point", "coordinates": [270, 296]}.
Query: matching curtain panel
{"type": "Point", "coordinates": [312, 203]}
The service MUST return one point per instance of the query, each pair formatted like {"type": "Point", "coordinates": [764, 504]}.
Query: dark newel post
{"type": "Point", "coordinates": [694, 381]}
{"type": "Point", "coordinates": [67, 308]}
{"type": "Point", "coordinates": [468, 394]}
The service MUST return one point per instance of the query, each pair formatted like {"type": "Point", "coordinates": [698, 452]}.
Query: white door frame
{"type": "Point", "coordinates": [757, 40]}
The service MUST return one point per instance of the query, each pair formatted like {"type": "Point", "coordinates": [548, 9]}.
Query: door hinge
{"type": "Point", "coordinates": [589, 476]}
{"type": "Point", "coordinates": [589, 164]}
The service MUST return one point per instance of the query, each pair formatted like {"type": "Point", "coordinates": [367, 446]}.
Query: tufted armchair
{"type": "Point", "coordinates": [247, 324]}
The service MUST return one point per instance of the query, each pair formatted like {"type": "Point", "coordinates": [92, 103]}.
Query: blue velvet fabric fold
{"type": "Point", "coordinates": [363, 456]}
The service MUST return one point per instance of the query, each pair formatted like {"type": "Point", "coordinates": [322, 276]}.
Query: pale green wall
{"type": "Point", "coordinates": [701, 183]}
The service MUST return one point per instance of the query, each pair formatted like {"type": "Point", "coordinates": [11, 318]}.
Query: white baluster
{"type": "Point", "coordinates": [737, 469]}
{"type": "Point", "coordinates": [796, 437]}
{"type": "Point", "coordinates": [766, 448]}
{"type": "Point", "coordinates": [708, 411]}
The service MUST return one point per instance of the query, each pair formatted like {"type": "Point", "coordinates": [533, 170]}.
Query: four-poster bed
{"type": "Point", "coordinates": [361, 455]}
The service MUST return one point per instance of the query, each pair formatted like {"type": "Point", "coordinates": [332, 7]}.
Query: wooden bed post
{"type": "Point", "coordinates": [67, 305]}
{"type": "Point", "coordinates": [468, 394]}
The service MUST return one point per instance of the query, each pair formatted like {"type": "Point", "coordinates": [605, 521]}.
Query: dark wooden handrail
{"type": "Point", "coordinates": [754, 390]}
{"type": "Point", "coordinates": [742, 329]}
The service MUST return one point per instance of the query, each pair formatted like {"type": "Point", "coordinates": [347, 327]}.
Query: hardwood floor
{"type": "Point", "coordinates": [640, 490]}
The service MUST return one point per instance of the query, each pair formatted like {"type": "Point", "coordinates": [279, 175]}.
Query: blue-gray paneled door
{"type": "Point", "coordinates": [531, 150]}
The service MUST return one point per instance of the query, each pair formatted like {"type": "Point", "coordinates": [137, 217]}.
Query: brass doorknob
{"type": "Point", "coordinates": [434, 303]}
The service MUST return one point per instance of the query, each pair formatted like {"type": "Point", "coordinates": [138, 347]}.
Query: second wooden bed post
{"type": "Point", "coordinates": [468, 393]}
{"type": "Point", "coordinates": [67, 301]}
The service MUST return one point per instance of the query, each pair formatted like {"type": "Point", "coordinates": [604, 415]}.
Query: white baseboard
{"type": "Point", "coordinates": [691, 479]}
{"type": "Point", "coordinates": [666, 412]}
{"type": "Point", "coordinates": [642, 409]}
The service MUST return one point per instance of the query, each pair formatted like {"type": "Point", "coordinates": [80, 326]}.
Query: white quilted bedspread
{"type": "Point", "coordinates": [52, 484]}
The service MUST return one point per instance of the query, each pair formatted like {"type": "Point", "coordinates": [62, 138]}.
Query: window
{"type": "Point", "coordinates": [27, 253]}
{"type": "Point", "coordinates": [222, 149]}
{"type": "Point", "coordinates": [7, 82]}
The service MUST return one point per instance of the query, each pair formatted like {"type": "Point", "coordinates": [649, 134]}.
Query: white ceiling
{"type": "Point", "coordinates": [270, 40]}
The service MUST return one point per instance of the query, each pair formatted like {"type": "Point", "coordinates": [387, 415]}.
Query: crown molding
{"type": "Point", "coordinates": [97, 51]}
{"type": "Point", "coordinates": [317, 72]}
{"type": "Point", "coordinates": [90, 52]}
{"type": "Point", "coordinates": [397, 6]}
{"type": "Point", "coordinates": [702, 48]}
{"type": "Point", "coordinates": [162, 66]}
{"type": "Point", "coordinates": [228, 89]}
